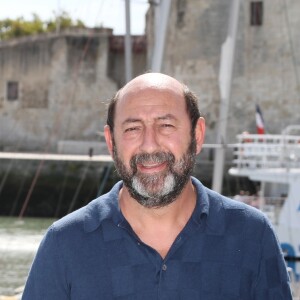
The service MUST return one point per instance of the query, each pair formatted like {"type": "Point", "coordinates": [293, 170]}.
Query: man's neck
{"type": "Point", "coordinates": [159, 227]}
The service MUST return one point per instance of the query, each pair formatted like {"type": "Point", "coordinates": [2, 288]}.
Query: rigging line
{"type": "Point", "coordinates": [76, 72]}
{"type": "Point", "coordinates": [35, 179]}
{"type": "Point", "coordinates": [75, 75]}
{"type": "Point", "coordinates": [76, 78]}
{"type": "Point", "coordinates": [33, 183]}
{"type": "Point", "coordinates": [71, 207]}
{"type": "Point", "coordinates": [7, 172]}
{"type": "Point", "coordinates": [287, 17]}
{"type": "Point", "coordinates": [18, 196]}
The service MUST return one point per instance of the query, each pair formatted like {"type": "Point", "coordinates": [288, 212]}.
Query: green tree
{"type": "Point", "coordinates": [63, 21]}
{"type": "Point", "coordinates": [10, 28]}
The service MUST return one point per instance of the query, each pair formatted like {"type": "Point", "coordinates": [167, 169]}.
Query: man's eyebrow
{"type": "Point", "coordinates": [131, 120]}
{"type": "Point", "coordinates": [166, 117]}
{"type": "Point", "coordinates": [136, 120]}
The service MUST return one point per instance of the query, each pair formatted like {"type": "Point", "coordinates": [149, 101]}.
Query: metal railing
{"type": "Point", "coordinates": [267, 151]}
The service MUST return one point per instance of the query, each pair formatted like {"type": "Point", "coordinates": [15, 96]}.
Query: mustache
{"type": "Point", "coordinates": [156, 157]}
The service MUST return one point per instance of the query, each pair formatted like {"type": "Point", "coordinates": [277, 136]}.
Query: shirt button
{"type": "Point", "coordinates": [164, 267]}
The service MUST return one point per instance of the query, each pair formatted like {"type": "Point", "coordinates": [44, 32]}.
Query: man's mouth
{"type": "Point", "coordinates": [151, 167]}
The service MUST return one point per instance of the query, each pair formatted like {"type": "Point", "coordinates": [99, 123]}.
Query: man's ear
{"type": "Point", "coordinates": [200, 134]}
{"type": "Point", "coordinates": [109, 139]}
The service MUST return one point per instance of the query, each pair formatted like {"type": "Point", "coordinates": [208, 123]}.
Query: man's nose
{"type": "Point", "coordinates": [149, 142]}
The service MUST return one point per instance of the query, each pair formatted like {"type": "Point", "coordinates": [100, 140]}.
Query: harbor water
{"type": "Point", "coordinates": [19, 240]}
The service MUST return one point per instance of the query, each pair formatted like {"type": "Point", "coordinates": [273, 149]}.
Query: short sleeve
{"type": "Point", "coordinates": [47, 278]}
{"type": "Point", "coordinates": [273, 281]}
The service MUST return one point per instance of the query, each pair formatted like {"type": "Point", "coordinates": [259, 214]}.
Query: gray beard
{"type": "Point", "coordinates": [158, 189]}
{"type": "Point", "coordinates": [140, 187]}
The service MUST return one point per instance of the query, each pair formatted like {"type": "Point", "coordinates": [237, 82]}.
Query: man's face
{"type": "Point", "coordinates": [156, 189]}
{"type": "Point", "coordinates": [151, 142]}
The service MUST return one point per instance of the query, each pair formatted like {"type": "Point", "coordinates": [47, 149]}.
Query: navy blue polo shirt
{"type": "Point", "coordinates": [227, 251]}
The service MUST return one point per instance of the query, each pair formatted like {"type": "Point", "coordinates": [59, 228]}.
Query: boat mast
{"type": "Point", "coordinates": [161, 16]}
{"type": "Point", "coordinates": [225, 80]}
{"type": "Point", "coordinates": [128, 47]}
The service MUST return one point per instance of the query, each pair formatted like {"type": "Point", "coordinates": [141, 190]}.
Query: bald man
{"type": "Point", "coordinates": [159, 233]}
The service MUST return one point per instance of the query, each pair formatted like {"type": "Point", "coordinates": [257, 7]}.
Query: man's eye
{"type": "Point", "coordinates": [167, 125]}
{"type": "Point", "coordinates": [166, 128]}
{"type": "Point", "coordinates": [130, 129]}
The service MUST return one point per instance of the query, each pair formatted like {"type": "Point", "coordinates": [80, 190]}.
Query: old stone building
{"type": "Point", "coordinates": [54, 88]}
{"type": "Point", "coordinates": [266, 65]}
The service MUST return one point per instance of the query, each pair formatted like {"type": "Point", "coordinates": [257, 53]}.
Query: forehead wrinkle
{"type": "Point", "coordinates": [136, 120]}
{"type": "Point", "coordinates": [131, 120]}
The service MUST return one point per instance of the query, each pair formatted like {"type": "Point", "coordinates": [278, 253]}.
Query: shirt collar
{"type": "Point", "coordinates": [211, 206]}
{"type": "Point", "coordinates": [208, 208]}
{"type": "Point", "coordinates": [103, 208]}
{"type": "Point", "coordinates": [202, 205]}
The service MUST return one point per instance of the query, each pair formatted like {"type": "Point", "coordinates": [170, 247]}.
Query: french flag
{"type": "Point", "coordinates": [260, 124]}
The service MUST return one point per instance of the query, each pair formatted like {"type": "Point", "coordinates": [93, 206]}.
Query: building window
{"type": "Point", "coordinates": [256, 13]}
{"type": "Point", "coordinates": [12, 90]}
{"type": "Point", "coordinates": [181, 11]}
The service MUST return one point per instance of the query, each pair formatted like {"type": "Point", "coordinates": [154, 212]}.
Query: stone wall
{"type": "Point", "coordinates": [63, 83]}
{"type": "Point", "coordinates": [267, 61]}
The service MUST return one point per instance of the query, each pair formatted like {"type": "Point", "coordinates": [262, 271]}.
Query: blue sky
{"type": "Point", "coordinates": [108, 13]}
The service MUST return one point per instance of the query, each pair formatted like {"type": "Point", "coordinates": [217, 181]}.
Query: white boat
{"type": "Point", "coordinates": [274, 160]}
